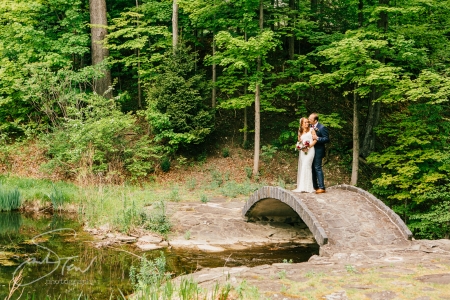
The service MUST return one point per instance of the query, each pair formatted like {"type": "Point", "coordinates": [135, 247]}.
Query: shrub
{"type": "Point", "coordinates": [176, 109]}
{"type": "Point", "coordinates": [165, 164]}
{"type": "Point", "coordinates": [225, 152]}
{"type": "Point", "coordinates": [151, 273]}
{"type": "Point", "coordinates": [157, 220]}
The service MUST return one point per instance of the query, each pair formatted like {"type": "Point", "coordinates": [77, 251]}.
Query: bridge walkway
{"type": "Point", "coordinates": [342, 219]}
{"type": "Point", "coordinates": [350, 220]}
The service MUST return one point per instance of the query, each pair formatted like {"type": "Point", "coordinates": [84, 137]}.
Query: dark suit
{"type": "Point", "coordinates": [319, 148]}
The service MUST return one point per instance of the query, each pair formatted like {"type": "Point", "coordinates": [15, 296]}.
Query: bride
{"type": "Point", "coordinates": [306, 138]}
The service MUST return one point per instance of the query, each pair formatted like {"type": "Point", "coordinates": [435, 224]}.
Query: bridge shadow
{"type": "Point", "coordinates": [275, 204]}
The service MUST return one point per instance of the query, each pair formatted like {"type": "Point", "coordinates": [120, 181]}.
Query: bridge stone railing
{"type": "Point", "coordinates": [292, 200]}
{"type": "Point", "coordinates": [407, 234]}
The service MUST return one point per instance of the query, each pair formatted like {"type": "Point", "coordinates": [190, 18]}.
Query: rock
{"type": "Point", "coordinates": [384, 295]}
{"type": "Point", "coordinates": [150, 239]}
{"type": "Point", "coordinates": [163, 244]}
{"type": "Point", "coordinates": [126, 239]}
{"type": "Point", "coordinates": [148, 247]}
{"type": "Point", "coordinates": [341, 295]}
{"type": "Point", "coordinates": [209, 248]}
{"type": "Point", "coordinates": [435, 278]}
{"type": "Point", "coordinates": [105, 228]}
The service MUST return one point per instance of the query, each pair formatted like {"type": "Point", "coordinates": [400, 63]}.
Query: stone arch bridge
{"type": "Point", "coordinates": [345, 217]}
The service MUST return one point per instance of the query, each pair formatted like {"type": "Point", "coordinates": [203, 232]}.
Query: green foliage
{"type": "Point", "coordinates": [165, 164]}
{"type": "Point", "coordinates": [204, 198]}
{"type": "Point", "coordinates": [34, 40]}
{"type": "Point", "coordinates": [10, 199]}
{"type": "Point", "coordinates": [225, 152]}
{"type": "Point", "coordinates": [433, 224]}
{"type": "Point", "coordinates": [129, 217]}
{"type": "Point", "coordinates": [157, 219]}
{"type": "Point", "coordinates": [268, 153]}
{"type": "Point", "coordinates": [416, 155]}
{"type": "Point", "coordinates": [176, 95]}
{"type": "Point", "coordinates": [216, 178]}
{"type": "Point", "coordinates": [174, 195]}
{"type": "Point", "coordinates": [233, 189]}
{"type": "Point", "coordinates": [150, 273]}
{"type": "Point", "coordinates": [248, 172]}
{"type": "Point", "coordinates": [57, 197]}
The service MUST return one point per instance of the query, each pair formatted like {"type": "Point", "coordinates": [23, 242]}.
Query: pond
{"type": "Point", "coordinates": [54, 257]}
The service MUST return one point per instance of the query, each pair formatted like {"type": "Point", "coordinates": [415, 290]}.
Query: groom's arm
{"type": "Point", "coordinates": [325, 138]}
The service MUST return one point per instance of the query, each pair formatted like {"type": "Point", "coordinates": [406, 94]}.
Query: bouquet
{"type": "Point", "coordinates": [301, 146]}
{"type": "Point", "coordinates": [306, 143]}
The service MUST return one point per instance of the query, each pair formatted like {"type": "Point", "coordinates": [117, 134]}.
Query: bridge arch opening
{"type": "Point", "coordinates": [273, 210]}
{"type": "Point", "coordinates": [271, 203]}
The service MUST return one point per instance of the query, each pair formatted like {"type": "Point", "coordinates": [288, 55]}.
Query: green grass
{"type": "Point", "coordinates": [10, 199]}
{"type": "Point", "coordinates": [122, 207]}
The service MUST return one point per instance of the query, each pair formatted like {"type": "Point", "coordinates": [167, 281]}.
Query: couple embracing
{"type": "Point", "coordinates": [312, 137]}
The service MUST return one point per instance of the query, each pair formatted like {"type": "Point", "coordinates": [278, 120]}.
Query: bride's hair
{"type": "Point", "coordinates": [300, 128]}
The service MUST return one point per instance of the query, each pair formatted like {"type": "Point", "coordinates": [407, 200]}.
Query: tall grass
{"type": "Point", "coordinates": [9, 199]}
{"type": "Point", "coordinates": [124, 207]}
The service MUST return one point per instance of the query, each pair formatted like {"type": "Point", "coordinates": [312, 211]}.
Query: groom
{"type": "Point", "coordinates": [322, 138]}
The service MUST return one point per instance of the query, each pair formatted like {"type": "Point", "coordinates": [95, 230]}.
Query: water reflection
{"type": "Point", "coordinates": [10, 222]}
{"type": "Point", "coordinates": [54, 257]}
{"type": "Point", "coordinates": [58, 259]}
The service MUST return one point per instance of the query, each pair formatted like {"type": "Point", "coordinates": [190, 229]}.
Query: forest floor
{"type": "Point", "coordinates": [278, 167]}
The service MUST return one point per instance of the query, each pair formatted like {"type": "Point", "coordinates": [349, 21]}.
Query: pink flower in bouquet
{"type": "Point", "coordinates": [306, 143]}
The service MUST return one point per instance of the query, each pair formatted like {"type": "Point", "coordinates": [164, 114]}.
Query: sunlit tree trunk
{"type": "Point", "coordinates": [355, 161]}
{"type": "Point", "coordinates": [97, 9]}
{"type": "Point", "coordinates": [139, 66]}
{"type": "Point", "coordinates": [214, 76]}
{"type": "Point", "coordinates": [245, 138]}
{"type": "Point", "coordinates": [174, 25]}
{"type": "Point", "coordinates": [257, 103]}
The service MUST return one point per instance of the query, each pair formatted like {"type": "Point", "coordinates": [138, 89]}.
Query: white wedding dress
{"type": "Point", "coordinates": [304, 173]}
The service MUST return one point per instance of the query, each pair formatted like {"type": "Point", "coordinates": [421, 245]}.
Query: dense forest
{"type": "Point", "coordinates": [123, 86]}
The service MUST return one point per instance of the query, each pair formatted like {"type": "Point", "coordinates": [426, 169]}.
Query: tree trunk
{"type": "Point", "coordinates": [139, 66]}
{"type": "Point", "coordinates": [360, 13]}
{"type": "Point", "coordinates": [245, 138]}
{"type": "Point", "coordinates": [383, 20]}
{"type": "Point", "coordinates": [97, 9]}
{"type": "Point", "coordinates": [214, 76]}
{"type": "Point", "coordinates": [373, 117]}
{"type": "Point", "coordinates": [355, 161]}
{"type": "Point", "coordinates": [257, 102]}
{"type": "Point", "coordinates": [291, 25]}
{"type": "Point", "coordinates": [314, 6]}
{"type": "Point", "coordinates": [174, 26]}
{"type": "Point", "coordinates": [374, 109]}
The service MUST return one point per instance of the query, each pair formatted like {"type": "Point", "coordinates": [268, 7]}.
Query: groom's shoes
{"type": "Point", "coordinates": [320, 191]}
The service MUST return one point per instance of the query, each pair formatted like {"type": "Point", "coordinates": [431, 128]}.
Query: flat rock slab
{"type": "Point", "coordinates": [341, 295]}
{"type": "Point", "coordinates": [436, 278]}
{"type": "Point", "coordinates": [383, 295]}
{"type": "Point", "coordinates": [219, 225]}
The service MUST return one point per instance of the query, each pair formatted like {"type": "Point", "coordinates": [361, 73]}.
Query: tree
{"type": "Point", "coordinates": [176, 111]}
{"type": "Point", "coordinates": [100, 53]}
{"type": "Point", "coordinates": [174, 26]}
